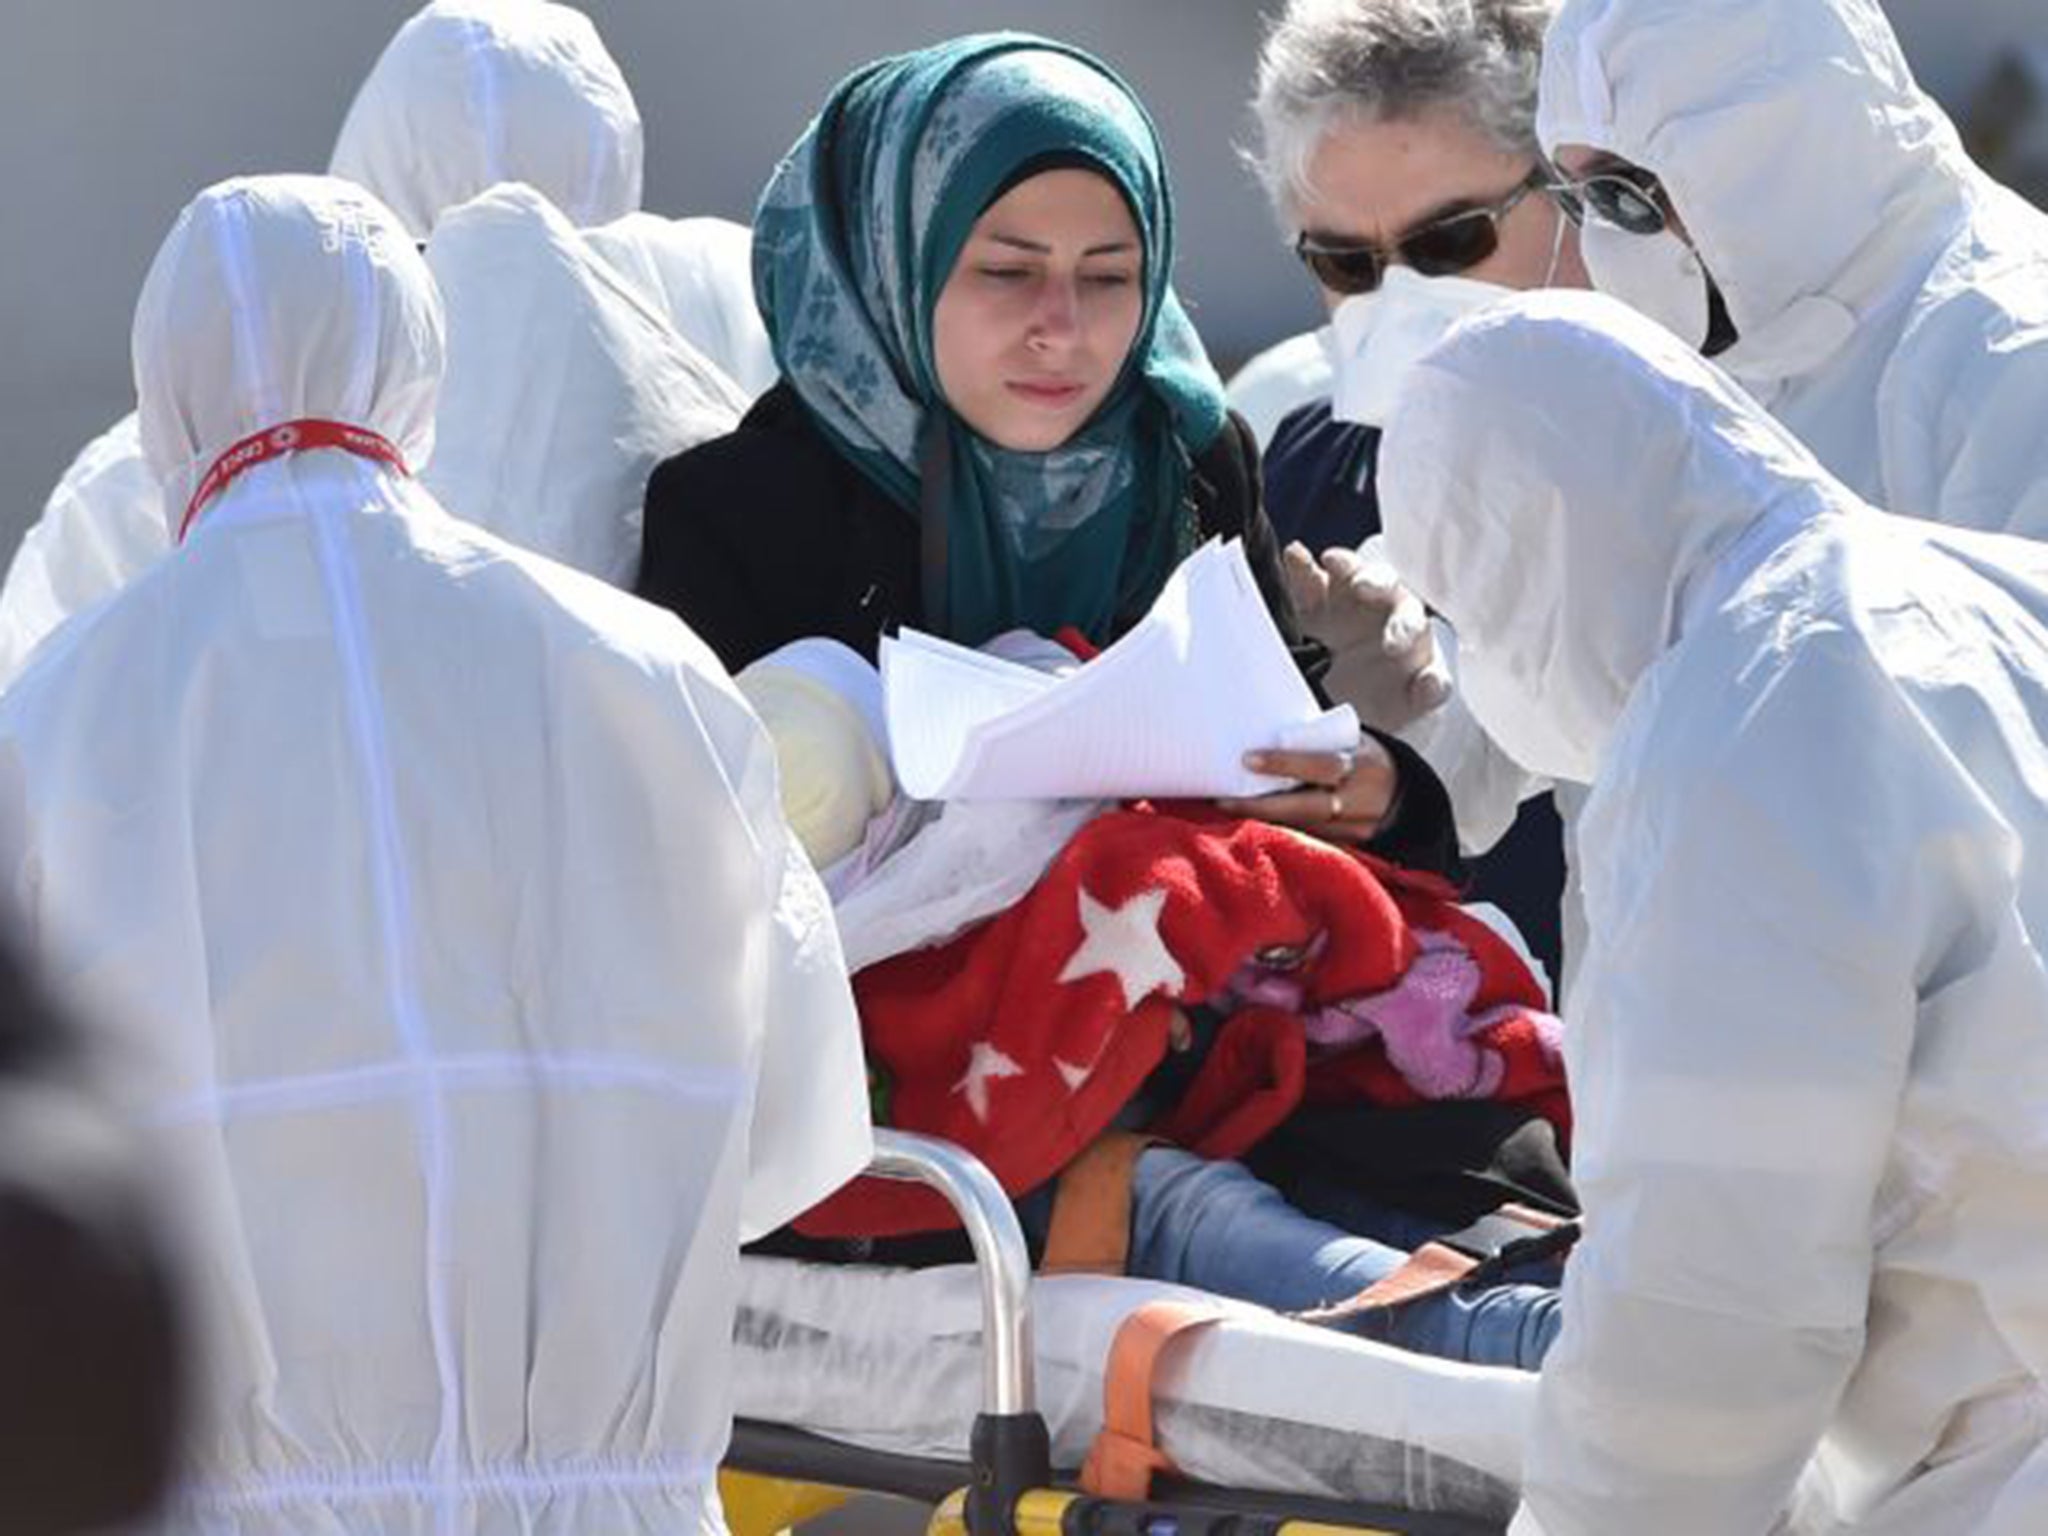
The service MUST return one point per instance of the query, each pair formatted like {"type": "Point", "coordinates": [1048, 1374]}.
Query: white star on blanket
{"type": "Point", "coordinates": [984, 1064]}
{"type": "Point", "coordinates": [1070, 1074]}
{"type": "Point", "coordinates": [1125, 942]}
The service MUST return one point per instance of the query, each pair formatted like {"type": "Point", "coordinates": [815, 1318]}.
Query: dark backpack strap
{"type": "Point", "coordinates": [934, 501]}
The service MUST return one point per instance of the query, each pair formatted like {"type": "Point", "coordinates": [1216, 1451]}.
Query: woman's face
{"type": "Point", "coordinates": [1034, 324]}
{"type": "Point", "coordinates": [1376, 181]}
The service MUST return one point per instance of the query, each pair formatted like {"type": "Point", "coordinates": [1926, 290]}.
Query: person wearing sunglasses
{"type": "Point", "coordinates": [1401, 133]}
{"type": "Point", "coordinates": [1448, 243]}
{"type": "Point", "coordinates": [1635, 248]}
{"type": "Point", "coordinates": [1765, 179]}
{"type": "Point", "coordinates": [1397, 143]}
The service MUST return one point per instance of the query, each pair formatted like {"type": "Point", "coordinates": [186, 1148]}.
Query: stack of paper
{"type": "Point", "coordinates": [1169, 710]}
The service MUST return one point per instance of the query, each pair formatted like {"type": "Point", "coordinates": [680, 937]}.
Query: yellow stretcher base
{"type": "Point", "coordinates": [1051, 1512]}
{"type": "Point", "coordinates": [770, 1506]}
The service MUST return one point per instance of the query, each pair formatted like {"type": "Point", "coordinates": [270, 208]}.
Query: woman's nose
{"type": "Point", "coordinates": [1058, 317]}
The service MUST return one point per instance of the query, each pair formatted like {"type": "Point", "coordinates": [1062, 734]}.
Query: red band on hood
{"type": "Point", "coordinates": [276, 442]}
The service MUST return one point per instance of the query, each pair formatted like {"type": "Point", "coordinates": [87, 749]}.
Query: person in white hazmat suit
{"type": "Point", "coordinates": [1809, 1044]}
{"type": "Point", "coordinates": [473, 93]}
{"type": "Point", "coordinates": [699, 273]}
{"type": "Point", "coordinates": [565, 387]}
{"type": "Point", "coordinates": [462, 960]}
{"type": "Point", "coordinates": [1765, 178]}
{"type": "Point", "coordinates": [102, 525]}
{"type": "Point", "coordinates": [470, 94]}
{"type": "Point", "coordinates": [568, 380]}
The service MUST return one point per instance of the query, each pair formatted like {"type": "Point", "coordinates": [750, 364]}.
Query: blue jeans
{"type": "Point", "coordinates": [1213, 1226]}
{"type": "Point", "coordinates": [1349, 1211]}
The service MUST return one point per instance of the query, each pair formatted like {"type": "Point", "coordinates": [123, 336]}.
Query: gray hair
{"type": "Point", "coordinates": [1379, 59]}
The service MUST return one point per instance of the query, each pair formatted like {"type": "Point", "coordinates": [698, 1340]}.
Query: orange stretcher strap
{"type": "Point", "coordinates": [1126, 1456]}
{"type": "Point", "coordinates": [1440, 1265]}
{"type": "Point", "coordinates": [1429, 1269]}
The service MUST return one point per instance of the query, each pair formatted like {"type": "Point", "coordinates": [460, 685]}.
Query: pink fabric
{"type": "Point", "coordinates": [1425, 1020]}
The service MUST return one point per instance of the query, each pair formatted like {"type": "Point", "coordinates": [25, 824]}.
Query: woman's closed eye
{"type": "Point", "coordinates": [1008, 273]}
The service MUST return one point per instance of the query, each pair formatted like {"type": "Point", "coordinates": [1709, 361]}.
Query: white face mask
{"type": "Point", "coordinates": [1378, 337]}
{"type": "Point", "coordinates": [1659, 275]}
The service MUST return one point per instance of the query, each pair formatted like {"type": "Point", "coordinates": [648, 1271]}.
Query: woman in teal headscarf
{"type": "Point", "coordinates": [994, 412]}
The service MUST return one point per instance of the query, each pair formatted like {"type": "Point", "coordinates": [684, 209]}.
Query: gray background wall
{"type": "Point", "coordinates": [113, 112]}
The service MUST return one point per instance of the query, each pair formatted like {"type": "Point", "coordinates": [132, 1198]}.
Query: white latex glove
{"type": "Point", "coordinates": [1383, 656]}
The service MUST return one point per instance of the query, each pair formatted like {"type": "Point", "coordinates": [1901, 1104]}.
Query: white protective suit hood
{"type": "Point", "coordinates": [1556, 472]}
{"type": "Point", "coordinates": [438, 905]}
{"type": "Point", "coordinates": [366, 343]}
{"type": "Point", "coordinates": [699, 273]}
{"type": "Point", "coordinates": [1274, 383]}
{"type": "Point", "coordinates": [474, 92]}
{"type": "Point", "coordinates": [469, 93]}
{"type": "Point", "coordinates": [1892, 299]}
{"type": "Point", "coordinates": [564, 390]}
{"type": "Point", "coordinates": [1815, 178]}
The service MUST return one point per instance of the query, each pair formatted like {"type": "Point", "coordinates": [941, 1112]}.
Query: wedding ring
{"type": "Point", "coordinates": [1336, 806]}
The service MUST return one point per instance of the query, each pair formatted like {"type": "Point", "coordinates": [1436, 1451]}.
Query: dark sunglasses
{"type": "Point", "coordinates": [1455, 243]}
{"type": "Point", "coordinates": [1626, 196]}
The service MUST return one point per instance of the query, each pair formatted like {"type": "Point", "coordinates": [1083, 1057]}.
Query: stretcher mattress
{"type": "Point", "coordinates": [891, 1361]}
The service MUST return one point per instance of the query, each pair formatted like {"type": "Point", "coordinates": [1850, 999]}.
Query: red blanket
{"type": "Point", "coordinates": [1023, 1038]}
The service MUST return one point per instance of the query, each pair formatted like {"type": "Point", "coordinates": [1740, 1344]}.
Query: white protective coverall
{"type": "Point", "coordinates": [102, 524]}
{"type": "Point", "coordinates": [1275, 383]}
{"type": "Point", "coordinates": [699, 273]}
{"type": "Point", "coordinates": [454, 939]}
{"type": "Point", "coordinates": [564, 389]}
{"type": "Point", "coordinates": [469, 93]}
{"type": "Point", "coordinates": [1809, 1043]}
{"type": "Point", "coordinates": [1891, 299]}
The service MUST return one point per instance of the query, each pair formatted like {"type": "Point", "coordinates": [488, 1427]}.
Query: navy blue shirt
{"type": "Point", "coordinates": [1320, 492]}
{"type": "Point", "coordinates": [1319, 479]}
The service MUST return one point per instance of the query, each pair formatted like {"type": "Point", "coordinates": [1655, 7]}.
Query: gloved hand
{"type": "Point", "coordinates": [1383, 655]}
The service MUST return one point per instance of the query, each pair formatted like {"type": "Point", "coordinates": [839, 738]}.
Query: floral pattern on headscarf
{"type": "Point", "coordinates": [855, 238]}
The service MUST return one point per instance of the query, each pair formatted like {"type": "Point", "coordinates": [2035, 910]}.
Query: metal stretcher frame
{"type": "Point", "coordinates": [775, 1477]}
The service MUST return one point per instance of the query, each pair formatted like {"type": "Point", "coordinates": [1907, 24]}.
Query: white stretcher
{"type": "Point", "coordinates": [920, 1382]}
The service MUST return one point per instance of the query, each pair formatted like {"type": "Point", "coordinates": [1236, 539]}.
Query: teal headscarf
{"type": "Point", "coordinates": [855, 237]}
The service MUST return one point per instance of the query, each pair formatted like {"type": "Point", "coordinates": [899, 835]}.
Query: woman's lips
{"type": "Point", "coordinates": [1041, 393]}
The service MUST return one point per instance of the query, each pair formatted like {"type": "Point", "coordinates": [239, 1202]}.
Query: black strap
{"type": "Point", "coordinates": [934, 510]}
{"type": "Point", "coordinates": [1501, 1243]}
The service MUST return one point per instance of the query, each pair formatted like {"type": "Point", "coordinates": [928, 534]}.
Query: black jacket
{"type": "Point", "coordinates": [769, 534]}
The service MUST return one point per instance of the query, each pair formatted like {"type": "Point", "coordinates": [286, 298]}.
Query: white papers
{"type": "Point", "coordinates": [1169, 710]}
